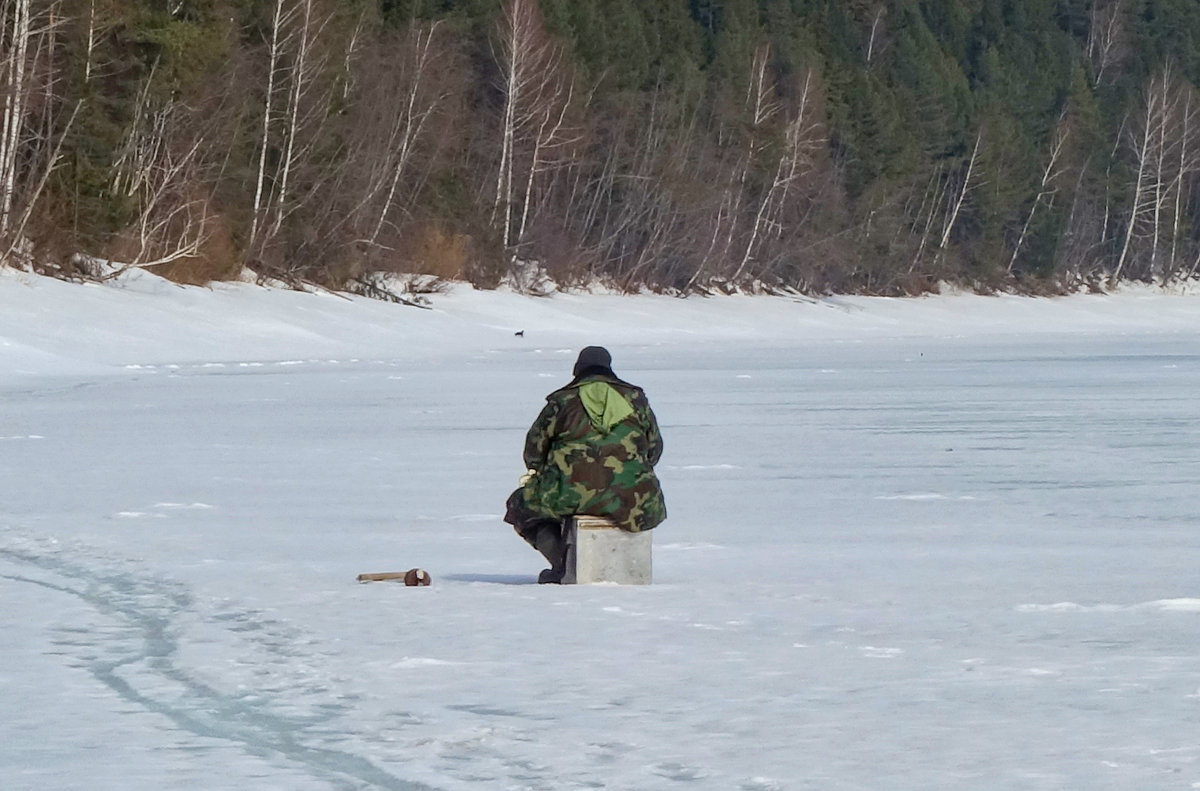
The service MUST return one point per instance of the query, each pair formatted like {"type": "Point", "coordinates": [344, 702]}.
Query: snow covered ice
{"type": "Point", "coordinates": [945, 543]}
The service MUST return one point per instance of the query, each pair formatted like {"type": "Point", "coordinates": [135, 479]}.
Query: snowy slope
{"type": "Point", "coordinates": [142, 319]}
{"type": "Point", "coordinates": [945, 543]}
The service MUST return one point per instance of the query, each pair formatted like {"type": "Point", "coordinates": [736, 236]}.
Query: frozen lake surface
{"type": "Point", "coordinates": [902, 552]}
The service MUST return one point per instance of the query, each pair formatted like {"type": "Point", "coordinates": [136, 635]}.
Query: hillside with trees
{"type": "Point", "coordinates": [867, 146]}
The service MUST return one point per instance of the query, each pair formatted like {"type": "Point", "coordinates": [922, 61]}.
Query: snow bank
{"type": "Point", "coordinates": [49, 326]}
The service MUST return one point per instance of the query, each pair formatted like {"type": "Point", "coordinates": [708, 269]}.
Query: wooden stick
{"type": "Point", "coordinates": [411, 578]}
{"type": "Point", "coordinates": [382, 576]}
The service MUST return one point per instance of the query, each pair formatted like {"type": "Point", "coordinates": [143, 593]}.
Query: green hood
{"type": "Point", "coordinates": [605, 406]}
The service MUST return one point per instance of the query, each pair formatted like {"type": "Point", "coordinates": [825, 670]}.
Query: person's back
{"type": "Point", "coordinates": [592, 451]}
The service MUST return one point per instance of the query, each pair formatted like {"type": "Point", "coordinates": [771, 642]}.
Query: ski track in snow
{"type": "Point", "coordinates": [281, 702]}
{"type": "Point", "coordinates": [137, 659]}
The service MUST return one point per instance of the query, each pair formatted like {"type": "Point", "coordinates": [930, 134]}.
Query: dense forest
{"type": "Point", "coordinates": [872, 146]}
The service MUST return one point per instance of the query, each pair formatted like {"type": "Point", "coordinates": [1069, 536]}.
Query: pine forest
{"type": "Point", "coordinates": [680, 146]}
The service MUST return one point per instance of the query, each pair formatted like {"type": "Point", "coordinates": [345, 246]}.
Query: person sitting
{"type": "Point", "coordinates": [592, 451]}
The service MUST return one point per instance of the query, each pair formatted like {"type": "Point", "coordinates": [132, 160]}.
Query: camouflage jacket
{"type": "Point", "coordinates": [593, 449]}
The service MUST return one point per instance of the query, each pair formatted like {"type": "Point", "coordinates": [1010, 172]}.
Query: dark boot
{"type": "Point", "coordinates": [549, 541]}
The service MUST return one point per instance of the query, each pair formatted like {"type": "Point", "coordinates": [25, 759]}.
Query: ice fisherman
{"type": "Point", "coordinates": [592, 450]}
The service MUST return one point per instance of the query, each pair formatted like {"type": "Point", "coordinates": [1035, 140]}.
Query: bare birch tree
{"type": "Point", "coordinates": [1187, 166]}
{"type": "Point", "coordinates": [537, 95]}
{"type": "Point", "coordinates": [294, 111]}
{"type": "Point", "coordinates": [968, 183]}
{"type": "Point", "coordinates": [410, 122]}
{"type": "Point", "coordinates": [158, 170]}
{"type": "Point", "coordinates": [31, 111]}
{"type": "Point", "coordinates": [928, 213]}
{"type": "Point", "coordinates": [1047, 187]}
{"type": "Point", "coordinates": [274, 66]}
{"type": "Point", "coordinates": [390, 139]}
{"type": "Point", "coordinates": [762, 105]}
{"type": "Point", "coordinates": [1158, 143]}
{"type": "Point", "coordinates": [16, 34]}
{"type": "Point", "coordinates": [871, 17]}
{"type": "Point", "coordinates": [301, 77]}
{"type": "Point", "coordinates": [1106, 41]}
{"type": "Point", "coordinates": [801, 139]}
{"type": "Point", "coordinates": [941, 203]}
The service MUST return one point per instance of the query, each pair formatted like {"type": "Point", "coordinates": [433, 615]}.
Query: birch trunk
{"type": "Point", "coordinates": [547, 134]}
{"type": "Point", "coordinates": [14, 110]}
{"type": "Point", "coordinates": [265, 139]}
{"type": "Point", "coordinates": [786, 172]}
{"type": "Point", "coordinates": [534, 93]}
{"type": "Point", "coordinates": [933, 201]}
{"type": "Point", "coordinates": [874, 31]}
{"type": "Point", "coordinates": [1104, 37]}
{"type": "Point", "coordinates": [51, 164]}
{"type": "Point", "coordinates": [962, 194]}
{"type": "Point", "coordinates": [1184, 169]}
{"type": "Point", "coordinates": [1048, 176]}
{"type": "Point", "coordinates": [411, 125]}
{"type": "Point", "coordinates": [513, 53]}
{"type": "Point", "coordinates": [91, 42]}
{"type": "Point", "coordinates": [1160, 167]}
{"type": "Point", "coordinates": [299, 74]}
{"type": "Point", "coordinates": [1138, 190]}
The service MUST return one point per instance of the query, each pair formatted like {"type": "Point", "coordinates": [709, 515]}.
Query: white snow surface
{"type": "Point", "coordinates": [939, 543]}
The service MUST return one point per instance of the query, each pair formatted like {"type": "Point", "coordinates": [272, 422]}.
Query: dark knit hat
{"type": "Point", "coordinates": [592, 357]}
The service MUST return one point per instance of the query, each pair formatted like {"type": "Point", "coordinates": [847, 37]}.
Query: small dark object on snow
{"type": "Point", "coordinates": [520, 333]}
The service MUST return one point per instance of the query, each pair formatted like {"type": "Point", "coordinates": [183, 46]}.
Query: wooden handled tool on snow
{"type": "Point", "coordinates": [411, 578]}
